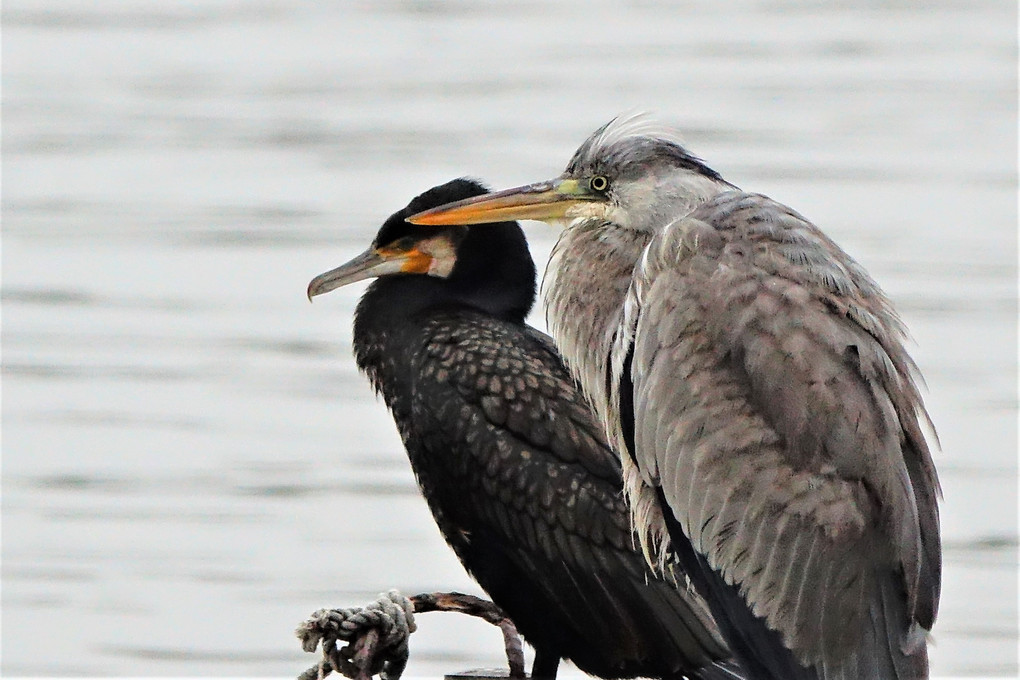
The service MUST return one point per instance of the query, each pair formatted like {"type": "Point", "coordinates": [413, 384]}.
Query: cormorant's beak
{"type": "Point", "coordinates": [544, 201]}
{"type": "Point", "coordinates": [370, 264]}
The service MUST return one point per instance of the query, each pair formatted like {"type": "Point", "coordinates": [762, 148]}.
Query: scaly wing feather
{"type": "Point", "coordinates": [527, 492]}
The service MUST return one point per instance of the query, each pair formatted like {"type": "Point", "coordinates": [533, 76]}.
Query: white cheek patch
{"type": "Point", "coordinates": [443, 255]}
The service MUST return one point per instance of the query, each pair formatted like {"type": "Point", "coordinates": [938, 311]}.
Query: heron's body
{"type": "Point", "coordinates": [797, 474]}
{"type": "Point", "coordinates": [512, 464]}
{"type": "Point", "coordinates": [754, 380]}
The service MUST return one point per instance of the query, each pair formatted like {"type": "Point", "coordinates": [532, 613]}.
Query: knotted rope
{"type": "Point", "coordinates": [377, 634]}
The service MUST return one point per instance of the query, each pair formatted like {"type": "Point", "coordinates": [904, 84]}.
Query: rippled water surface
{"type": "Point", "coordinates": [191, 463]}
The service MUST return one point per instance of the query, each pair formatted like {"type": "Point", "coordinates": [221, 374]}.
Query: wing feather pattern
{"type": "Point", "coordinates": [776, 408]}
{"type": "Point", "coordinates": [528, 494]}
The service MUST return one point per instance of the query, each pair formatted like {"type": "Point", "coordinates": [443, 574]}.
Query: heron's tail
{"type": "Point", "coordinates": [720, 670]}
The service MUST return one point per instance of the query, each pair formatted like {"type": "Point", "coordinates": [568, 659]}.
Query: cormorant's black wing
{"type": "Point", "coordinates": [528, 494]}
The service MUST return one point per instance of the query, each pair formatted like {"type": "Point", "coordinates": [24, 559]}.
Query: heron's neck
{"type": "Point", "coordinates": [586, 282]}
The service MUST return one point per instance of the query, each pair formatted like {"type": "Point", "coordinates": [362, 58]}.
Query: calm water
{"type": "Point", "coordinates": [191, 463]}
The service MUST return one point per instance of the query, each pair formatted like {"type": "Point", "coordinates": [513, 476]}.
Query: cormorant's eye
{"type": "Point", "coordinates": [405, 244]}
{"type": "Point", "coordinates": [598, 183]}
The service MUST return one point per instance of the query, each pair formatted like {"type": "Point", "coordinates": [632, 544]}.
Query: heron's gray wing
{"type": "Point", "coordinates": [521, 478]}
{"type": "Point", "coordinates": [775, 406]}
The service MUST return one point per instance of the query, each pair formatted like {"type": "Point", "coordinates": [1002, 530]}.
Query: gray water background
{"type": "Point", "coordinates": [191, 463]}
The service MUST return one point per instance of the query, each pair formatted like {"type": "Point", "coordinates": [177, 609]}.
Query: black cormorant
{"type": "Point", "coordinates": [511, 462]}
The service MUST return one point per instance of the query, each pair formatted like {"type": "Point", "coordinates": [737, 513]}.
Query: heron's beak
{"type": "Point", "coordinates": [370, 264]}
{"type": "Point", "coordinates": [545, 201]}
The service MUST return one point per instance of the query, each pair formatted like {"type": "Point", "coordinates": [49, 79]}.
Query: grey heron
{"type": "Point", "coordinates": [753, 378]}
{"type": "Point", "coordinates": [513, 466]}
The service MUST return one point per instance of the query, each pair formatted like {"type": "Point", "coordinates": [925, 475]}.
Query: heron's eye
{"type": "Point", "coordinates": [598, 183]}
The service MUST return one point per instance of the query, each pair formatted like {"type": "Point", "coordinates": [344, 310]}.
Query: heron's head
{"type": "Point", "coordinates": [631, 172]}
{"type": "Point", "coordinates": [451, 253]}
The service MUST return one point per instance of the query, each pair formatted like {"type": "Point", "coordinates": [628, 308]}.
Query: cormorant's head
{"type": "Point", "coordinates": [453, 253]}
{"type": "Point", "coordinates": [631, 172]}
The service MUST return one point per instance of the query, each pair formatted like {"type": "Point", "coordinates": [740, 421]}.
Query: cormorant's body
{"type": "Point", "coordinates": [513, 465]}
